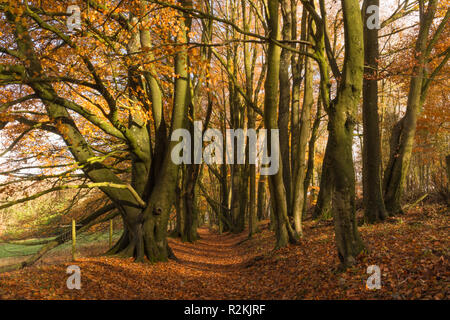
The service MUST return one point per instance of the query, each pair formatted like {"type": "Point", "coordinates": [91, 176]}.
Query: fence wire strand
{"type": "Point", "coordinates": [84, 241]}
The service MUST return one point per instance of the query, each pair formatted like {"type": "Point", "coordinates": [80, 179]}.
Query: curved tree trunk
{"type": "Point", "coordinates": [145, 235]}
{"type": "Point", "coordinates": [402, 138]}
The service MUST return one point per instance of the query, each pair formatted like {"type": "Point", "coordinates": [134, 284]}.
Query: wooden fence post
{"type": "Point", "coordinates": [110, 232]}
{"type": "Point", "coordinates": [74, 239]}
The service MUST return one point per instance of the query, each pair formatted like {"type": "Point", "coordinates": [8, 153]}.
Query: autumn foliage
{"type": "Point", "coordinates": [87, 117]}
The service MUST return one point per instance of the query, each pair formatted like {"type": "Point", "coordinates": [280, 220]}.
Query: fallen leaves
{"type": "Point", "coordinates": [413, 257]}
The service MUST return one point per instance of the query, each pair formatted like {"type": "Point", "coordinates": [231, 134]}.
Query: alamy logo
{"type": "Point", "coordinates": [374, 281]}
{"type": "Point", "coordinates": [74, 20]}
{"type": "Point", "coordinates": [373, 21]}
{"type": "Point", "coordinates": [74, 281]}
{"type": "Point", "coordinates": [258, 147]}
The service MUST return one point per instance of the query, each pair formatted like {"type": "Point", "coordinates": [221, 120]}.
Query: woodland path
{"type": "Point", "coordinates": [413, 257]}
{"type": "Point", "coordinates": [214, 267]}
{"type": "Point", "coordinates": [212, 252]}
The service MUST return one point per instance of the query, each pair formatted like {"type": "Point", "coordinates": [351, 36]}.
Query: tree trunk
{"type": "Point", "coordinates": [180, 206]}
{"type": "Point", "coordinates": [152, 227]}
{"type": "Point", "coordinates": [284, 102]}
{"type": "Point", "coordinates": [250, 168]}
{"type": "Point", "coordinates": [189, 233]}
{"type": "Point", "coordinates": [402, 138]}
{"type": "Point", "coordinates": [374, 209]}
{"type": "Point", "coordinates": [283, 231]}
{"type": "Point", "coordinates": [447, 161]}
{"type": "Point", "coordinates": [300, 170]}
{"type": "Point", "coordinates": [323, 205]}
{"type": "Point", "coordinates": [340, 140]}
{"type": "Point", "coordinates": [311, 155]}
{"type": "Point", "coordinates": [261, 201]}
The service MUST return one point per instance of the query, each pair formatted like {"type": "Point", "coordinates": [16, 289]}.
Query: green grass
{"type": "Point", "coordinates": [15, 250]}
{"type": "Point", "coordinates": [8, 250]}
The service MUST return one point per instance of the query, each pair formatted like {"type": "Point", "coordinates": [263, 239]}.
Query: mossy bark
{"type": "Point", "coordinates": [283, 231]}
{"type": "Point", "coordinates": [402, 137]}
{"type": "Point", "coordinates": [154, 175]}
{"type": "Point", "coordinates": [340, 139]}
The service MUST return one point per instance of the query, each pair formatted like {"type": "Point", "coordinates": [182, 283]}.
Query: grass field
{"type": "Point", "coordinates": [87, 244]}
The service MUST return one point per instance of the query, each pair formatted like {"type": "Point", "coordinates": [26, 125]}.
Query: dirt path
{"type": "Point", "coordinates": [212, 253]}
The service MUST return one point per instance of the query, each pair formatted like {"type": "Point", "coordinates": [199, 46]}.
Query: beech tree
{"type": "Point", "coordinates": [402, 137]}
{"type": "Point", "coordinates": [374, 209]}
{"type": "Point", "coordinates": [145, 203]}
{"type": "Point", "coordinates": [96, 107]}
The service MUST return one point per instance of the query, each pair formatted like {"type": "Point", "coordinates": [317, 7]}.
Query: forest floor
{"type": "Point", "coordinates": [411, 250]}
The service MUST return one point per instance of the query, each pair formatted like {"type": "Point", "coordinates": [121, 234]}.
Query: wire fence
{"type": "Point", "coordinates": [87, 244]}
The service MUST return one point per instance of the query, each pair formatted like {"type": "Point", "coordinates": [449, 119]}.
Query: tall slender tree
{"type": "Point", "coordinates": [374, 209]}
